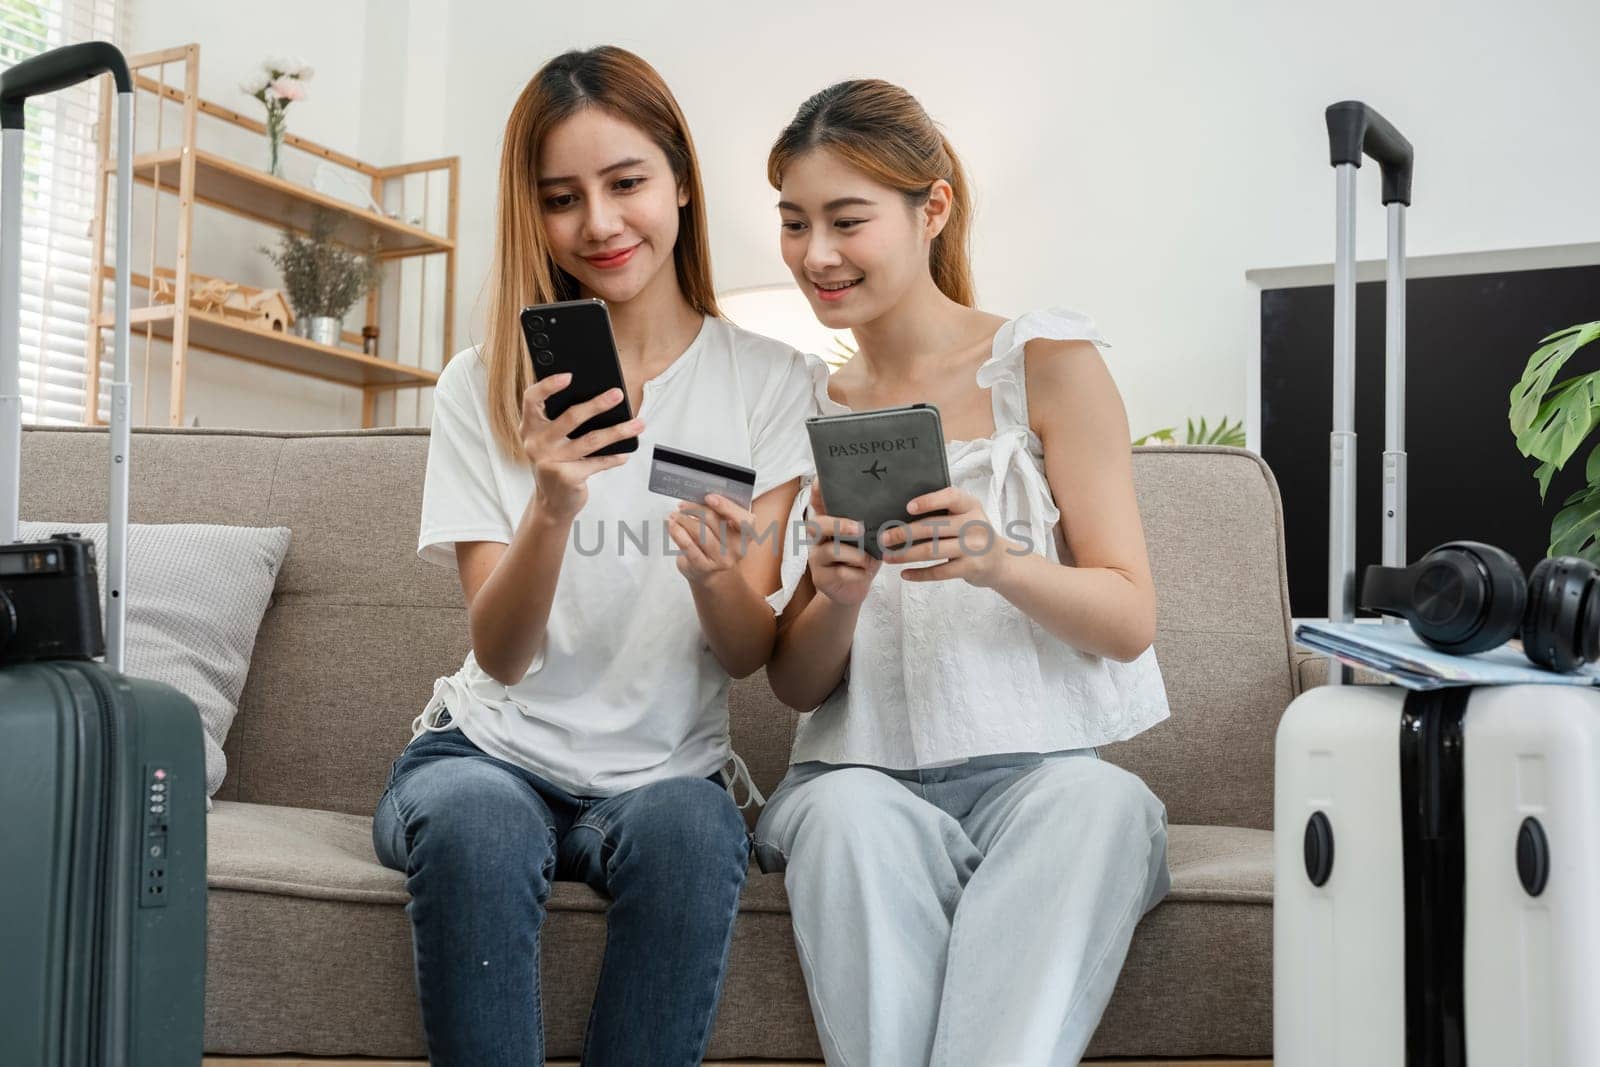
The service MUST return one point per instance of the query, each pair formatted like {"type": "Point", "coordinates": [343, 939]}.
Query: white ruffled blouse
{"type": "Point", "coordinates": [941, 672]}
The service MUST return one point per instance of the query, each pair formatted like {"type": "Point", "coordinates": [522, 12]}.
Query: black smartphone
{"type": "Point", "coordinates": [574, 337]}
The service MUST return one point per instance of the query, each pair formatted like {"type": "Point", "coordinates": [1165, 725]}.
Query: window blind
{"type": "Point", "coordinates": [58, 178]}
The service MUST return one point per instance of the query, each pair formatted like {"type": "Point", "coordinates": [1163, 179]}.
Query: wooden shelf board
{"type": "Point", "coordinates": [144, 284]}
{"type": "Point", "coordinates": [255, 194]}
{"type": "Point", "coordinates": [345, 366]}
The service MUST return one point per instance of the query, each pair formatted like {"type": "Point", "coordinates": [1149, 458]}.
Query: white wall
{"type": "Point", "coordinates": [1132, 159]}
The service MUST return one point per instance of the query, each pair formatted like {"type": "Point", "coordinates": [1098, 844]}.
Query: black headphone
{"type": "Point", "coordinates": [1466, 596]}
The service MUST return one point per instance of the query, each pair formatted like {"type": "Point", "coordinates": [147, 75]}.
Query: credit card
{"type": "Point", "coordinates": [676, 473]}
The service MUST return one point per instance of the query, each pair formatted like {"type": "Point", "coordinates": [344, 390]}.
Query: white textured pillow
{"type": "Point", "coordinates": [196, 595]}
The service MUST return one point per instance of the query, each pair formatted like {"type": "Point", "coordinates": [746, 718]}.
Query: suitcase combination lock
{"type": "Point", "coordinates": [153, 842]}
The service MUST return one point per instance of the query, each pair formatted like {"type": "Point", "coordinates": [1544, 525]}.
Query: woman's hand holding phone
{"type": "Point", "coordinates": [561, 466]}
{"type": "Point", "coordinates": [841, 568]}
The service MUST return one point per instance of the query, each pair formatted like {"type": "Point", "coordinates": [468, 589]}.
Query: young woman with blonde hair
{"type": "Point", "coordinates": [586, 735]}
{"type": "Point", "coordinates": [964, 871]}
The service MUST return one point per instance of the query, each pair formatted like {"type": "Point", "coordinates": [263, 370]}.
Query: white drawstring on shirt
{"type": "Point", "coordinates": [428, 720]}
{"type": "Point", "coordinates": [741, 773]}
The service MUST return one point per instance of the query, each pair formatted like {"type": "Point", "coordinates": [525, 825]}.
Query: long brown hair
{"type": "Point", "coordinates": [881, 130]}
{"type": "Point", "coordinates": [523, 272]}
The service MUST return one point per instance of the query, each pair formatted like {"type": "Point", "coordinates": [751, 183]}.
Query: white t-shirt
{"type": "Point", "coordinates": [624, 690]}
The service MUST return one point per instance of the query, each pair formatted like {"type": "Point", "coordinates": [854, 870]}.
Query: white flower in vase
{"type": "Point", "coordinates": [281, 83]}
{"type": "Point", "coordinates": [289, 89]}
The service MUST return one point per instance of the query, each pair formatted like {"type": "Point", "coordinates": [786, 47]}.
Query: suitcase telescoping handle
{"type": "Point", "coordinates": [47, 73]}
{"type": "Point", "coordinates": [57, 69]}
{"type": "Point", "coordinates": [1354, 130]}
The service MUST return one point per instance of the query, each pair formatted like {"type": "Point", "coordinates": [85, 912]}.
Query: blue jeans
{"type": "Point", "coordinates": [480, 841]}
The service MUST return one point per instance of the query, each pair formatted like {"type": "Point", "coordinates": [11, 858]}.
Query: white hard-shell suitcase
{"type": "Point", "coordinates": [1437, 853]}
{"type": "Point", "coordinates": [1532, 788]}
{"type": "Point", "coordinates": [1461, 924]}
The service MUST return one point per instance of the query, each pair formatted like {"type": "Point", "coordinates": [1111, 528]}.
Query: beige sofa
{"type": "Point", "coordinates": [309, 947]}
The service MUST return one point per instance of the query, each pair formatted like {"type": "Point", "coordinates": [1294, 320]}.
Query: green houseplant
{"type": "Point", "coordinates": [1220, 434]}
{"type": "Point", "coordinates": [1551, 420]}
{"type": "Point", "coordinates": [322, 278]}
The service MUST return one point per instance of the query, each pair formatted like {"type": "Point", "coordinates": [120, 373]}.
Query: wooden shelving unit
{"type": "Point", "coordinates": [197, 176]}
{"type": "Point", "coordinates": [255, 194]}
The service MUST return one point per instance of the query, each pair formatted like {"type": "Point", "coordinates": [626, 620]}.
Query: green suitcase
{"type": "Point", "coordinates": [104, 902]}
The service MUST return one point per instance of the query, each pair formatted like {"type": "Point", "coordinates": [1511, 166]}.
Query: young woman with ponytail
{"type": "Point", "coordinates": [964, 871]}
{"type": "Point", "coordinates": [585, 737]}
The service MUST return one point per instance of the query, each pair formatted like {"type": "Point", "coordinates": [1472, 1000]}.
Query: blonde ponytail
{"type": "Point", "coordinates": [950, 259]}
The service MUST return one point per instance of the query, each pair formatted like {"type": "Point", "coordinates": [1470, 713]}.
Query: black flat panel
{"type": "Point", "coordinates": [1468, 339]}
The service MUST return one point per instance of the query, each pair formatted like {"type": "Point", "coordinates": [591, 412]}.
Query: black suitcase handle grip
{"type": "Point", "coordinates": [1354, 129]}
{"type": "Point", "coordinates": [57, 69]}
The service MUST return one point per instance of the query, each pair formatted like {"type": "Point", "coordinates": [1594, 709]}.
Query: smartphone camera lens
{"type": "Point", "coordinates": [544, 357]}
{"type": "Point", "coordinates": [536, 322]}
{"type": "Point", "coordinates": [541, 340]}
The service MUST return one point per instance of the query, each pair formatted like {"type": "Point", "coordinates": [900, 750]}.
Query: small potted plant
{"type": "Point", "coordinates": [322, 278]}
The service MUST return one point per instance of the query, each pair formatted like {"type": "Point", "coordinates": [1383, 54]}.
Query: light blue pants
{"type": "Point", "coordinates": [976, 914]}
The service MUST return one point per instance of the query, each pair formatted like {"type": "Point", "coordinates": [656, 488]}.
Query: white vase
{"type": "Point", "coordinates": [275, 141]}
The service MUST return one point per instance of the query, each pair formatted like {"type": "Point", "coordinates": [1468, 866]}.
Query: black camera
{"type": "Point", "coordinates": [49, 600]}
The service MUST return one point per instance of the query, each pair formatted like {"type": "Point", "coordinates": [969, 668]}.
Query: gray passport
{"type": "Point", "coordinates": [873, 463]}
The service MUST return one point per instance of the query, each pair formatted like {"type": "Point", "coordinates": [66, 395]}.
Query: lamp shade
{"type": "Point", "coordinates": [783, 313]}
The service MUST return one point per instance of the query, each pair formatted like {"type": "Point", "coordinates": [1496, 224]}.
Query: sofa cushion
{"type": "Point", "coordinates": [1213, 525]}
{"type": "Point", "coordinates": [309, 950]}
{"type": "Point", "coordinates": [195, 596]}
{"type": "Point", "coordinates": [327, 855]}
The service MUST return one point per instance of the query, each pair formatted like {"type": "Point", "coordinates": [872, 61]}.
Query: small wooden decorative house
{"type": "Point", "coordinates": [273, 310]}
